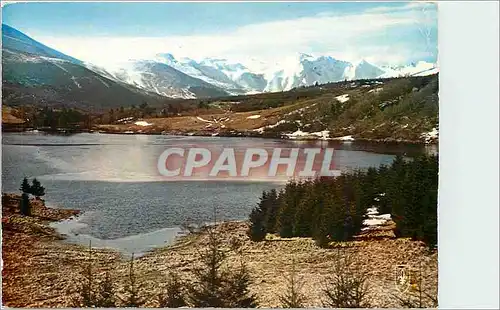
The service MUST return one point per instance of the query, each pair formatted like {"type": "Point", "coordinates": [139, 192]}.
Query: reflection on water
{"type": "Point", "coordinates": [126, 204]}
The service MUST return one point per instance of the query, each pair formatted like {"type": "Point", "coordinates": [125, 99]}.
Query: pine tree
{"type": "Point", "coordinates": [215, 287]}
{"type": "Point", "coordinates": [132, 288]}
{"type": "Point", "coordinates": [288, 207]}
{"type": "Point", "coordinates": [24, 205]}
{"type": "Point", "coordinates": [236, 293]}
{"type": "Point", "coordinates": [412, 194]}
{"type": "Point", "coordinates": [37, 189]}
{"type": "Point", "coordinates": [293, 296]}
{"type": "Point", "coordinates": [272, 209]}
{"type": "Point", "coordinates": [25, 186]}
{"type": "Point", "coordinates": [86, 295]}
{"type": "Point", "coordinates": [207, 290]}
{"type": "Point", "coordinates": [303, 215]}
{"type": "Point", "coordinates": [106, 296]}
{"type": "Point", "coordinates": [347, 287]}
{"type": "Point", "coordinates": [174, 293]}
{"type": "Point", "coordinates": [257, 230]}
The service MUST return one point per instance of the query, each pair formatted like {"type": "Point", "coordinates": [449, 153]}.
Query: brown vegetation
{"type": "Point", "coordinates": [42, 271]}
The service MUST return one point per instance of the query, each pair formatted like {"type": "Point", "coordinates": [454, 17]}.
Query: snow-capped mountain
{"type": "Point", "coordinates": [365, 70]}
{"type": "Point", "coordinates": [239, 74]}
{"type": "Point", "coordinates": [164, 77]}
{"type": "Point", "coordinates": [305, 70]}
{"type": "Point", "coordinates": [180, 77]}
{"type": "Point", "coordinates": [193, 69]}
{"type": "Point", "coordinates": [177, 77]}
{"type": "Point", "coordinates": [185, 77]}
{"type": "Point", "coordinates": [414, 69]}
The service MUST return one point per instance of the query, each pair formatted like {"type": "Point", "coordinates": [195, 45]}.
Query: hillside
{"type": "Point", "coordinates": [404, 109]}
{"type": "Point", "coordinates": [34, 74]}
{"type": "Point", "coordinates": [29, 79]}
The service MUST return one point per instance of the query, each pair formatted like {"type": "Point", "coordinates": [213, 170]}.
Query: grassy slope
{"type": "Point", "coordinates": [392, 109]}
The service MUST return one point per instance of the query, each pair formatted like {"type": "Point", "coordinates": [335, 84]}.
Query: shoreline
{"type": "Point", "coordinates": [235, 134]}
{"type": "Point", "coordinates": [42, 265]}
{"type": "Point", "coordinates": [139, 245]}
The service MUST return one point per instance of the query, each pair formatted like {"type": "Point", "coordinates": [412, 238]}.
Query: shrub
{"type": "Point", "coordinates": [347, 287]}
{"type": "Point", "coordinates": [293, 297]}
{"type": "Point", "coordinates": [106, 293]}
{"type": "Point", "coordinates": [214, 287]}
{"type": "Point", "coordinates": [174, 296]}
{"type": "Point", "coordinates": [132, 289]}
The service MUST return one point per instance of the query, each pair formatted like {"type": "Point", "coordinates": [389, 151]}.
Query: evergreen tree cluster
{"type": "Point", "coordinates": [333, 209]}
{"type": "Point", "coordinates": [36, 189]}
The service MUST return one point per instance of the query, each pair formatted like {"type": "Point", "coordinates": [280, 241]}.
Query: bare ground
{"type": "Point", "coordinates": [42, 271]}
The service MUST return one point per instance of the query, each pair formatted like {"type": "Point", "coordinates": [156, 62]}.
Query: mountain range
{"type": "Point", "coordinates": [36, 72]}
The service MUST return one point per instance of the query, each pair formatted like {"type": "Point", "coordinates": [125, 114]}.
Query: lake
{"type": "Point", "coordinates": [126, 204]}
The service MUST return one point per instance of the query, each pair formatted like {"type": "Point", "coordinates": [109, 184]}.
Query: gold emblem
{"type": "Point", "coordinates": [406, 278]}
{"type": "Point", "coordinates": [402, 278]}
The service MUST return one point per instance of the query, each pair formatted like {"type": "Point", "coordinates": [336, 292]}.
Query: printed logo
{"type": "Point", "coordinates": [406, 278]}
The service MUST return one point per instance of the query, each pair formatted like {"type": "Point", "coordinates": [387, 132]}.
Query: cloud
{"type": "Point", "coordinates": [351, 36]}
{"type": "Point", "coordinates": [413, 5]}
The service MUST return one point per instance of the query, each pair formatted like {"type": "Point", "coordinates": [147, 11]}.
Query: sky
{"type": "Point", "coordinates": [390, 33]}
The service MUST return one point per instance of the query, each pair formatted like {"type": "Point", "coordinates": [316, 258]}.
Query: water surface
{"type": "Point", "coordinates": [125, 203]}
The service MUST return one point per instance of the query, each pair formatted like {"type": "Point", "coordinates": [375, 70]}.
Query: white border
{"type": "Point", "coordinates": [468, 153]}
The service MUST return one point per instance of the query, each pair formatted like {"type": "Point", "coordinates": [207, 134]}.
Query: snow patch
{"type": "Point", "coordinates": [126, 119]}
{"type": "Point", "coordinates": [59, 66]}
{"type": "Point", "coordinates": [76, 83]}
{"type": "Point", "coordinates": [374, 219]}
{"type": "Point", "coordinates": [261, 129]}
{"type": "Point", "coordinates": [324, 135]}
{"type": "Point", "coordinates": [142, 123]}
{"type": "Point", "coordinates": [298, 133]}
{"type": "Point", "coordinates": [342, 98]}
{"type": "Point", "coordinates": [344, 138]}
{"type": "Point", "coordinates": [105, 84]}
{"type": "Point", "coordinates": [372, 211]}
{"type": "Point", "coordinates": [431, 135]}
{"type": "Point", "coordinates": [301, 110]}
{"type": "Point", "coordinates": [376, 90]}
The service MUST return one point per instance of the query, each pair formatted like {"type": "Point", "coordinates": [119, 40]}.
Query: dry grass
{"type": "Point", "coordinates": [228, 121]}
{"type": "Point", "coordinates": [41, 271]}
{"type": "Point", "coordinates": [8, 116]}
